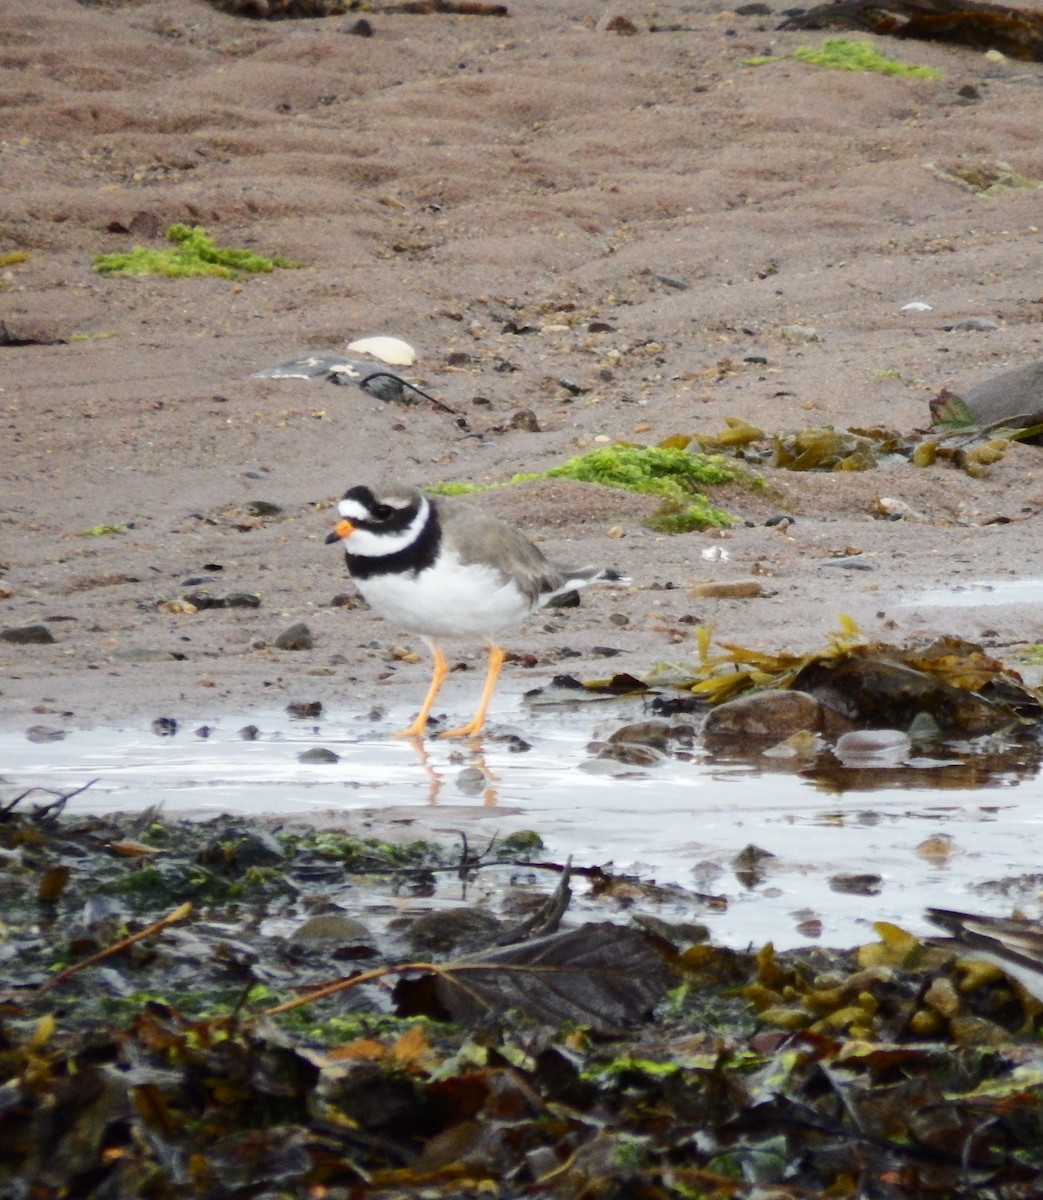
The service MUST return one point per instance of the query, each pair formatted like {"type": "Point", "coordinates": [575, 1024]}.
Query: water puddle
{"type": "Point", "coordinates": [982, 592]}
{"type": "Point", "coordinates": [932, 833]}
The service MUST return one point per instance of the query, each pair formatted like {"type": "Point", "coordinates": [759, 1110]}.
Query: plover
{"type": "Point", "coordinates": [446, 571]}
{"type": "Point", "coordinates": [1015, 945]}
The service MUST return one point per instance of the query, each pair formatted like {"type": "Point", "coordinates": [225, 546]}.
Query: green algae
{"type": "Point", "coordinates": [839, 54]}
{"type": "Point", "coordinates": [192, 253]}
{"type": "Point", "coordinates": [668, 471]}
{"type": "Point", "coordinates": [842, 55]}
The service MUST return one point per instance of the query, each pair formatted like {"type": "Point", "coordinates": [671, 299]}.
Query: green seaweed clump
{"type": "Point", "coordinates": [667, 471]}
{"type": "Point", "coordinates": [842, 55]}
{"type": "Point", "coordinates": [193, 253]}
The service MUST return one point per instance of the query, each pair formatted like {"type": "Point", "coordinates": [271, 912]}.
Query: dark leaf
{"type": "Point", "coordinates": [603, 976]}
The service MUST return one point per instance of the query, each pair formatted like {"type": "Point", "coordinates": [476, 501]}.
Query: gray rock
{"type": "Point", "coordinates": [775, 714]}
{"type": "Point", "coordinates": [27, 635]}
{"type": "Point", "coordinates": [456, 929]}
{"type": "Point", "coordinates": [297, 637]}
{"type": "Point", "coordinates": [1015, 396]}
{"type": "Point", "coordinates": [330, 930]}
{"type": "Point", "coordinates": [632, 755]}
{"type": "Point", "coordinates": [974, 325]}
{"type": "Point", "coordinates": [857, 885]}
{"type": "Point", "coordinates": [44, 733]}
{"type": "Point", "coordinates": [318, 754]}
{"type": "Point", "coordinates": [655, 733]}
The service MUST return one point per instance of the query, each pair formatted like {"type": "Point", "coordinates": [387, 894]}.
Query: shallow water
{"type": "Point", "coordinates": [933, 832]}
{"type": "Point", "coordinates": [982, 592]}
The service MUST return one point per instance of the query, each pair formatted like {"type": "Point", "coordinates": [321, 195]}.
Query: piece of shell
{"type": "Point", "coordinates": [391, 350]}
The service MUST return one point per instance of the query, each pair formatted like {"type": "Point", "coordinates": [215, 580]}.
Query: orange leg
{"type": "Point", "coordinates": [441, 669]}
{"type": "Point", "coordinates": [473, 726]}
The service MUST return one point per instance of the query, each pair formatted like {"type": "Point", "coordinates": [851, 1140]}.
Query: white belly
{"type": "Point", "coordinates": [447, 601]}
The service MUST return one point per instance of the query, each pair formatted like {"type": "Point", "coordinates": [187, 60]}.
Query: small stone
{"type": "Point", "coordinates": [318, 754]}
{"type": "Point", "coordinates": [856, 885]}
{"type": "Point", "coordinates": [297, 637]}
{"type": "Point", "coordinates": [304, 710]}
{"type": "Point", "coordinates": [671, 281]}
{"type": "Point", "coordinates": [524, 420]}
{"type": "Point", "coordinates": [164, 726]}
{"type": "Point", "coordinates": [618, 24]}
{"type": "Point", "coordinates": [263, 508]}
{"type": "Point", "coordinates": [731, 589]}
{"type": "Point", "coordinates": [44, 733]}
{"type": "Point", "coordinates": [974, 325]}
{"type": "Point", "coordinates": [873, 748]}
{"type": "Point", "coordinates": [799, 334]}
{"type": "Point", "coordinates": [775, 713]}
{"type": "Point", "coordinates": [471, 781]}
{"type": "Point", "coordinates": [848, 562]}
{"type": "Point", "coordinates": [655, 733]}
{"type": "Point", "coordinates": [330, 930]}
{"type": "Point", "coordinates": [459, 929]}
{"type": "Point", "coordinates": [249, 733]}
{"type": "Point", "coordinates": [27, 635]}
{"type": "Point", "coordinates": [523, 842]}
{"type": "Point", "coordinates": [632, 755]}
{"type": "Point", "coordinates": [144, 654]}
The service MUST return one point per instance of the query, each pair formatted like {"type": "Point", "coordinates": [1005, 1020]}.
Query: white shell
{"type": "Point", "coordinates": [393, 351]}
{"type": "Point", "coordinates": [913, 306]}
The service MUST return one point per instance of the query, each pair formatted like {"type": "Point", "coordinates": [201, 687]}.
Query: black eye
{"type": "Point", "coordinates": [382, 512]}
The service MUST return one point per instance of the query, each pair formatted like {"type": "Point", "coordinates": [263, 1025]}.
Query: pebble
{"type": "Point", "coordinates": [524, 420]}
{"type": "Point", "coordinates": [164, 726]}
{"type": "Point", "coordinates": [732, 589]}
{"type": "Point", "coordinates": [144, 654]}
{"type": "Point", "coordinates": [775, 713]}
{"type": "Point", "coordinates": [318, 754]}
{"type": "Point", "coordinates": [851, 562]}
{"type": "Point", "coordinates": [873, 748]}
{"type": "Point", "coordinates": [44, 733]}
{"type": "Point", "coordinates": [297, 637]}
{"type": "Point", "coordinates": [857, 885]}
{"type": "Point", "coordinates": [471, 781]}
{"type": "Point", "coordinates": [329, 930]}
{"type": "Point", "coordinates": [27, 635]}
{"type": "Point", "coordinates": [672, 281]}
{"type": "Point", "coordinates": [632, 755]}
{"type": "Point", "coordinates": [1013, 394]}
{"type": "Point", "coordinates": [974, 325]}
{"type": "Point", "coordinates": [655, 733]}
{"type": "Point", "coordinates": [452, 929]}
{"type": "Point", "coordinates": [203, 600]}
{"type": "Point", "coordinates": [799, 333]}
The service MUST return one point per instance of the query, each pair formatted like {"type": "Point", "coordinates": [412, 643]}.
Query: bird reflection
{"type": "Point", "coordinates": [474, 778]}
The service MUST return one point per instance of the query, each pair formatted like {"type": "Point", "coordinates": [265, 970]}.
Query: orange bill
{"type": "Point", "coordinates": [340, 531]}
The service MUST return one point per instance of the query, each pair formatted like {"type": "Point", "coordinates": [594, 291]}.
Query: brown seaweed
{"type": "Point", "coordinates": [1015, 32]}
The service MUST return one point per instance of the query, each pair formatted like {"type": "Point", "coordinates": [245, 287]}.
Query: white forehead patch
{"type": "Point", "coordinates": [378, 545]}
{"type": "Point", "coordinates": [354, 510]}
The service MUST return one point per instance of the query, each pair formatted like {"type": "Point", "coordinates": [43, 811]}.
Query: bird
{"type": "Point", "coordinates": [443, 570]}
{"type": "Point", "coordinates": [1013, 944]}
